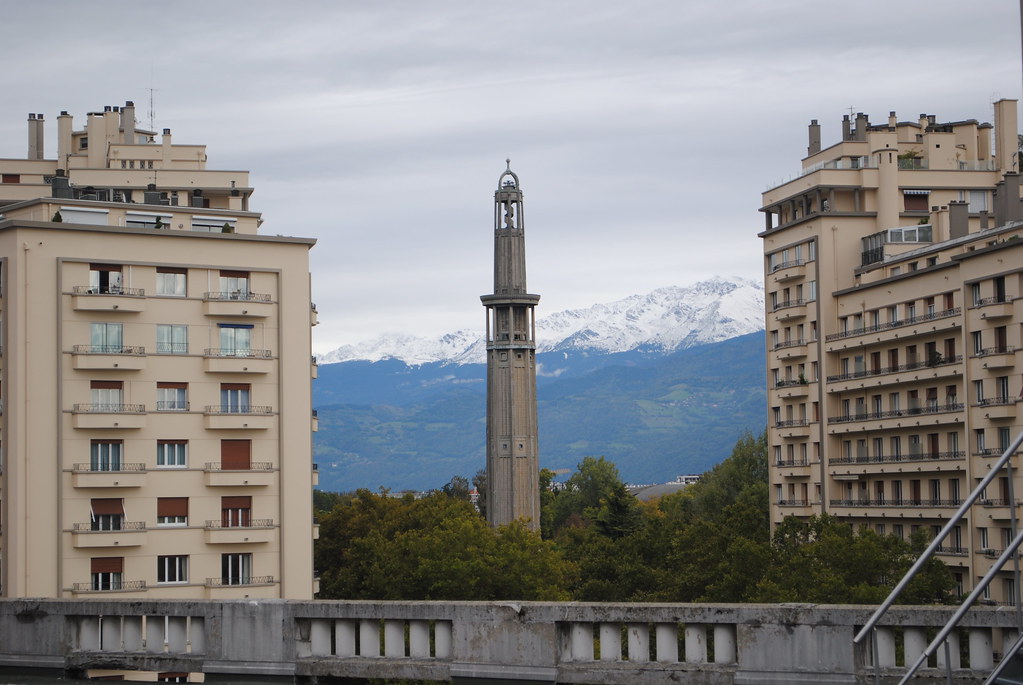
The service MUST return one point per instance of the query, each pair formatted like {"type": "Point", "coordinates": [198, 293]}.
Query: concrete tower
{"type": "Point", "coordinates": [513, 490]}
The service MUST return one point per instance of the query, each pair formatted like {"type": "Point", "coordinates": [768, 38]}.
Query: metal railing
{"type": "Point", "coordinates": [895, 458]}
{"type": "Point", "coordinates": [110, 467]}
{"type": "Point", "coordinates": [111, 586]}
{"type": "Point", "coordinates": [896, 413]}
{"type": "Point", "coordinates": [910, 366]}
{"type": "Point", "coordinates": [253, 466]}
{"type": "Point", "coordinates": [954, 520]}
{"type": "Point", "coordinates": [893, 324]}
{"type": "Point", "coordinates": [244, 580]}
{"type": "Point", "coordinates": [108, 408]}
{"type": "Point", "coordinates": [237, 296]}
{"type": "Point", "coordinates": [245, 409]}
{"type": "Point", "coordinates": [240, 353]}
{"type": "Point", "coordinates": [108, 290]}
{"type": "Point", "coordinates": [252, 523]}
{"type": "Point", "coordinates": [123, 526]}
{"type": "Point", "coordinates": [110, 349]}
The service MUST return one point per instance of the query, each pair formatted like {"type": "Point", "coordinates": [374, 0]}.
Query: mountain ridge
{"type": "Point", "coordinates": [664, 320]}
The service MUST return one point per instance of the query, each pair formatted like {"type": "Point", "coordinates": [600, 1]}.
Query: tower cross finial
{"type": "Point", "coordinates": [508, 160]}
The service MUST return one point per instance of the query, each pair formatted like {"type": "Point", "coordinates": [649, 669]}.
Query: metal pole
{"type": "Point", "coordinates": [1015, 557]}
{"type": "Point", "coordinates": [964, 607]}
{"type": "Point", "coordinates": [936, 542]}
{"type": "Point", "coordinates": [948, 663]}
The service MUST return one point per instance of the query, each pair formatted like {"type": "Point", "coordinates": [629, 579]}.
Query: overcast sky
{"type": "Point", "coordinates": [643, 132]}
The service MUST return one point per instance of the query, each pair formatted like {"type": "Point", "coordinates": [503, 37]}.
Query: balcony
{"type": "Point", "coordinates": [900, 414]}
{"type": "Point", "coordinates": [313, 315]}
{"type": "Point", "coordinates": [219, 360]}
{"type": "Point", "coordinates": [998, 407]}
{"type": "Point", "coordinates": [247, 417]}
{"type": "Point", "coordinates": [898, 458]}
{"type": "Point", "coordinates": [793, 428]}
{"type": "Point", "coordinates": [900, 324]}
{"type": "Point", "coordinates": [109, 357]}
{"type": "Point", "coordinates": [258, 530]}
{"type": "Point", "coordinates": [259, 474]}
{"type": "Point", "coordinates": [1003, 357]}
{"type": "Point", "coordinates": [112, 299]}
{"type": "Point", "coordinates": [251, 305]}
{"type": "Point", "coordinates": [108, 416]}
{"type": "Point", "coordinates": [113, 586]}
{"type": "Point", "coordinates": [788, 271]}
{"type": "Point", "coordinates": [314, 371]}
{"type": "Point", "coordinates": [939, 363]}
{"type": "Point", "coordinates": [315, 422]}
{"type": "Point", "coordinates": [118, 475]}
{"type": "Point", "coordinates": [993, 308]}
{"type": "Point", "coordinates": [787, 389]}
{"type": "Point", "coordinates": [791, 349]}
{"type": "Point", "coordinates": [316, 475]}
{"type": "Point", "coordinates": [130, 534]}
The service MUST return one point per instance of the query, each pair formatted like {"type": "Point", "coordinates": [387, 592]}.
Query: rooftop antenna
{"type": "Point", "coordinates": [152, 111]}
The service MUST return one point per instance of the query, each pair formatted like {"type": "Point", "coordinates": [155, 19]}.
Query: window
{"type": "Point", "coordinates": [916, 201]}
{"type": "Point", "coordinates": [171, 282]}
{"type": "Point", "coordinates": [235, 454]}
{"type": "Point", "coordinates": [107, 572]}
{"type": "Point", "coordinates": [978, 391]}
{"type": "Point", "coordinates": [978, 342]}
{"type": "Point", "coordinates": [106, 337]}
{"type": "Point", "coordinates": [1002, 389]}
{"type": "Point", "coordinates": [896, 443]}
{"type": "Point", "coordinates": [235, 339]}
{"type": "Point", "coordinates": [1004, 438]}
{"type": "Point", "coordinates": [105, 279]}
{"type": "Point", "coordinates": [107, 396]}
{"type": "Point", "coordinates": [105, 455]}
{"type": "Point", "coordinates": [235, 569]}
{"type": "Point", "coordinates": [10, 178]}
{"type": "Point", "coordinates": [953, 491]}
{"type": "Point", "coordinates": [978, 435]}
{"type": "Point", "coordinates": [235, 512]}
{"type": "Point", "coordinates": [107, 514]}
{"type": "Point", "coordinates": [811, 250]}
{"type": "Point", "coordinates": [172, 453]}
{"type": "Point", "coordinates": [234, 284]}
{"type": "Point", "coordinates": [975, 293]}
{"type": "Point", "coordinates": [171, 396]}
{"type": "Point", "coordinates": [171, 338]}
{"type": "Point", "coordinates": [172, 569]}
{"type": "Point", "coordinates": [172, 511]}
{"type": "Point", "coordinates": [234, 398]}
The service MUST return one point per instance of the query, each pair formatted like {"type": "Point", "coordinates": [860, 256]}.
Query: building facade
{"type": "Point", "coordinates": [894, 316]}
{"type": "Point", "coordinates": [156, 375]}
{"type": "Point", "coordinates": [513, 462]}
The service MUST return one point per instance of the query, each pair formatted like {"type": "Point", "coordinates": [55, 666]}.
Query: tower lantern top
{"type": "Point", "coordinates": [509, 180]}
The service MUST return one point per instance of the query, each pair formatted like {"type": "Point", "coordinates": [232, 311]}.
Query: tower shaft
{"type": "Point", "coordinates": [513, 490]}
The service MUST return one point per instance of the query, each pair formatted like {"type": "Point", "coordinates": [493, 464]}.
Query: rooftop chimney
{"type": "Point", "coordinates": [60, 187]}
{"type": "Point", "coordinates": [846, 128]}
{"type": "Point", "coordinates": [815, 138]}
{"type": "Point", "coordinates": [128, 122]}
{"type": "Point", "coordinates": [35, 136]}
{"type": "Point", "coordinates": [152, 195]}
{"type": "Point", "coordinates": [862, 122]}
{"type": "Point", "coordinates": [892, 120]}
{"type": "Point", "coordinates": [958, 218]}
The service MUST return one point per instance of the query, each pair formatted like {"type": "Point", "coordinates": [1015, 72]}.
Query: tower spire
{"type": "Point", "coordinates": [513, 490]}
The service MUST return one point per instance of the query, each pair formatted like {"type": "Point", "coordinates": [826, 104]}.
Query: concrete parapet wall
{"type": "Point", "coordinates": [465, 641]}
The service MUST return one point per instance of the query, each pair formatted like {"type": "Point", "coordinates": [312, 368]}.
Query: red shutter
{"type": "Point", "coordinates": [108, 506]}
{"type": "Point", "coordinates": [108, 564]}
{"type": "Point", "coordinates": [235, 454]}
{"type": "Point", "coordinates": [172, 506]}
{"type": "Point", "coordinates": [233, 274]}
{"type": "Point", "coordinates": [106, 385]}
{"type": "Point", "coordinates": [180, 386]}
{"type": "Point", "coordinates": [235, 386]}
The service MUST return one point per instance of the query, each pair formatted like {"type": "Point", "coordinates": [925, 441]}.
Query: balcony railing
{"type": "Point", "coordinates": [789, 423]}
{"type": "Point", "coordinates": [894, 458]}
{"type": "Point", "coordinates": [1001, 349]}
{"type": "Point", "coordinates": [943, 361]}
{"type": "Point", "coordinates": [785, 265]}
{"type": "Point", "coordinates": [916, 411]}
{"type": "Point", "coordinates": [123, 526]}
{"type": "Point", "coordinates": [110, 349]}
{"type": "Point", "coordinates": [999, 401]}
{"type": "Point", "coordinates": [792, 462]}
{"type": "Point", "coordinates": [237, 296]}
{"type": "Point", "coordinates": [244, 580]}
{"type": "Point", "coordinates": [253, 523]}
{"type": "Point", "coordinates": [893, 324]}
{"type": "Point", "coordinates": [108, 290]}
{"type": "Point", "coordinates": [793, 503]}
{"type": "Point", "coordinates": [117, 467]}
{"type": "Point", "coordinates": [112, 586]}
{"type": "Point", "coordinates": [253, 466]}
{"type": "Point", "coordinates": [789, 383]}
{"type": "Point", "coordinates": [789, 343]}
{"type": "Point", "coordinates": [108, 408]}
{"type": "Point", "coordinates": [240, 353]}
{"type": "Point", "coordinates": [171, 405]}
{"type": "Point", "coordinates": [788, 303]}
{"type": "Point", "coordinates": [246, 409]}
{"type": "Point", "coordinates": [985, 301]}
{"type": "Point", "coordinates": [952, 551]}
{"type": "Point", "coordinates": [991, 451]}
{"type": "Point", "coordinates": [896, 502]}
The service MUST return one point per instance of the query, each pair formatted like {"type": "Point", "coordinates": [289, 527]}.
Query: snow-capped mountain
{"type": "Point", "coordinates": [666, 319]}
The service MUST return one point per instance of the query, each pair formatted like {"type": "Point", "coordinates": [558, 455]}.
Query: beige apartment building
{"type": "Point", "coordinates": [155, 375]}
{"type": "Point", "coordinates": [894, 316]}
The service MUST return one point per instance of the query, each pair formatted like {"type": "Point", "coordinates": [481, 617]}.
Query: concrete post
{"type": "Point", "coordinates": [319, 637]}
{"type": "Point", "coordinates": [394, 638]}
{"type": "Point", "coordinates": [442, 639]}
{"type": "Point", "coordinates": [344, 638]}
{"type": "Point", "coordinates": [696, 643]}
{"type": "Point", "coordinates": [915, 644]}
{"type": "Point", "coordinates": [581, 642]}
{"type": "Point", "coordinates": [666, 635]}
{"type": "Point", "coordinates": [610, 642]}
{"type": "Point", "coordinates": [369, 637]}
{"type": "Point", "coordinates": [953, 651]}
{"type": "Point", "coordinates": [724, 644]}
{"type": "Point", "coordinates": [639, 642]}
{"type": "Point", "coordinates": [981, 654]}
{"type": "Point", "coordinates": [132, 633]}
{"type": "Point", "coordinates": [419, 638]}
{"type": "Point", "coordinates": [885, 646]}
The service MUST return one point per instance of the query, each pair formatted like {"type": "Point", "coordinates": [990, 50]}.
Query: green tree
{"type": "Point", "coordinates": [594, 480]}
{"type": "Point", "coordinates": [457, 487]}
